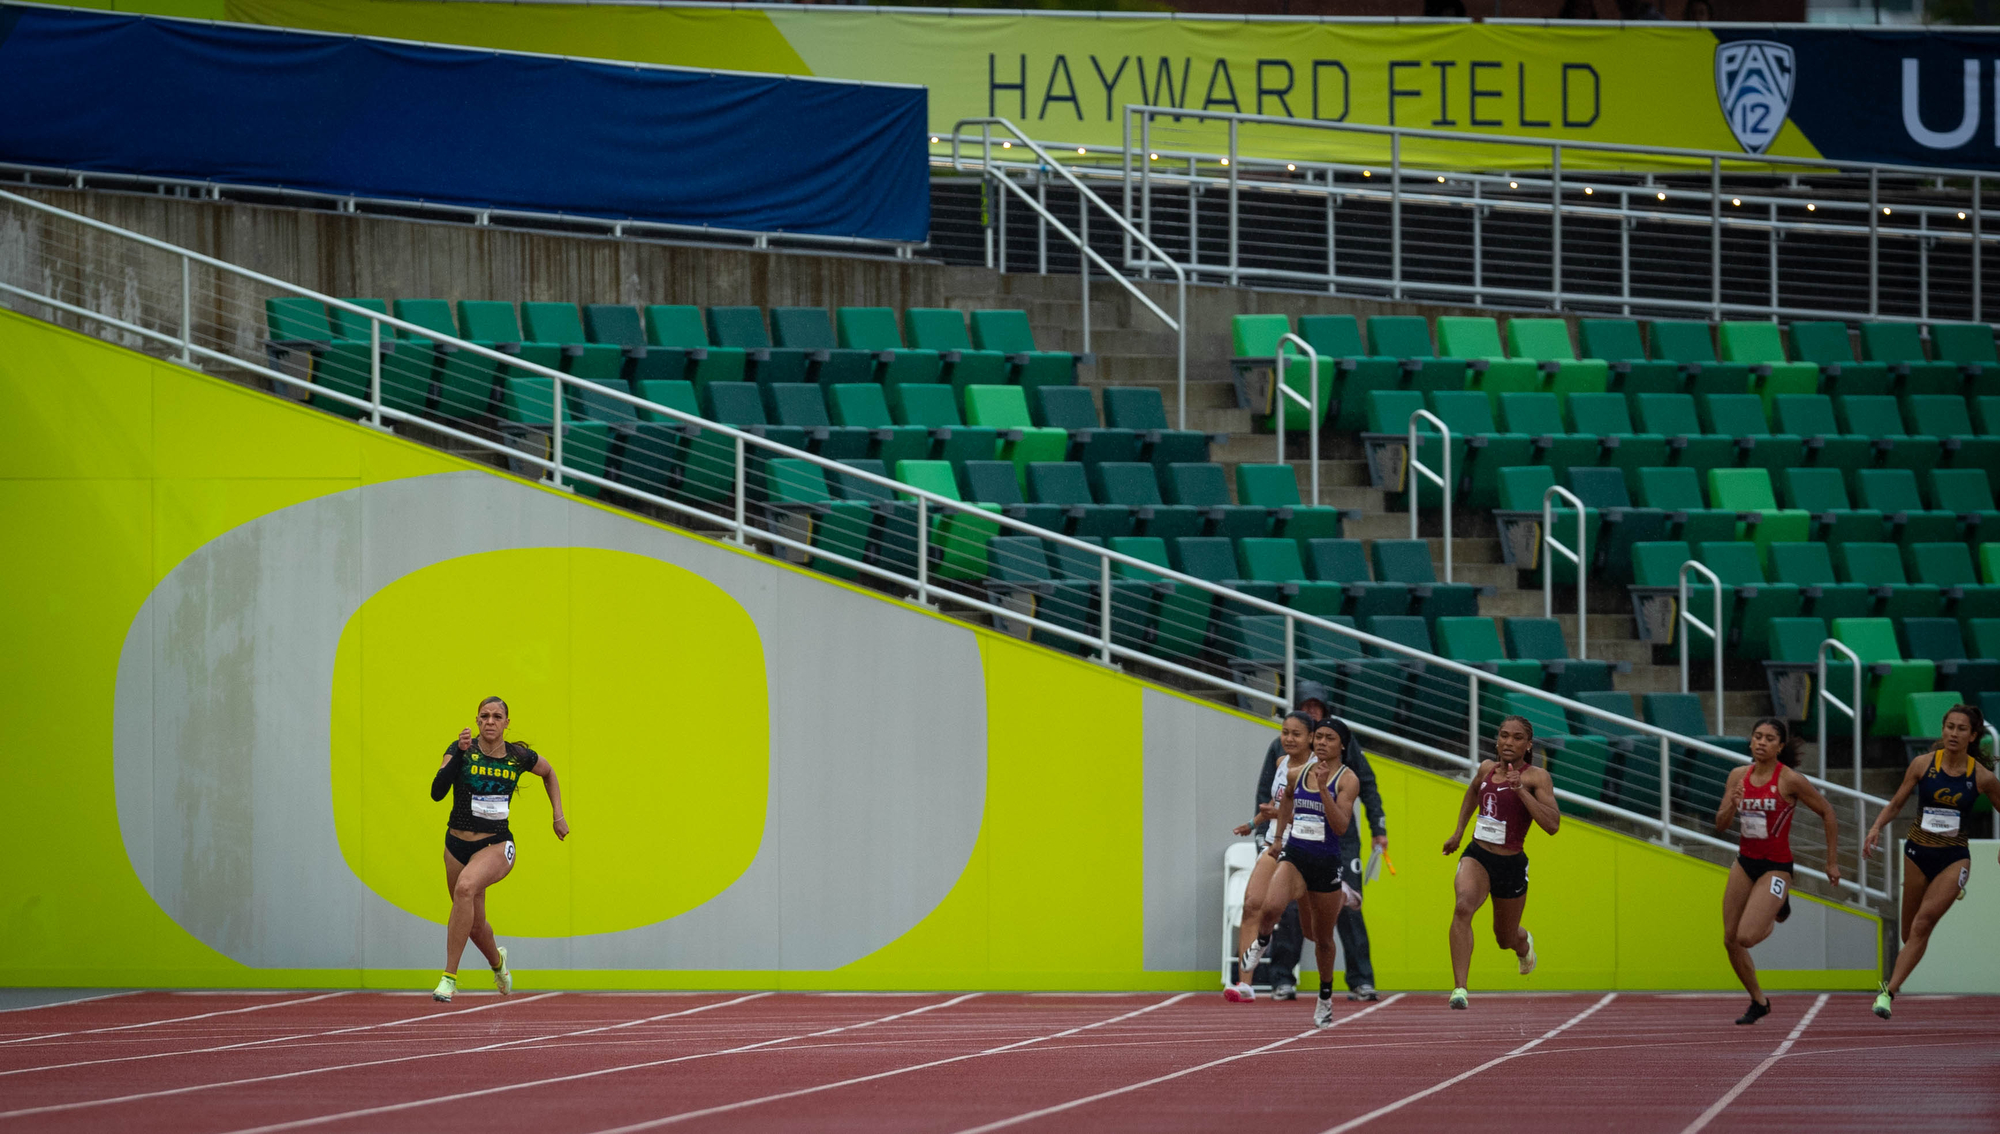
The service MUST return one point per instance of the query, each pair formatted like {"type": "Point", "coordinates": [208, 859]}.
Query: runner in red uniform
{"type": "Point", "coordinates": [1759, 798]}
{"type": "Point", "coordinates": [1508, 792]}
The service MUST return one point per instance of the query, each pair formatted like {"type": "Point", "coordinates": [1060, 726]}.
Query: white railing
{"type": "Point", "coordinates": [1420, 472]}
{"type": "Point", "coordinates": [1712, 629]}
{"type": "Point", "coordinates": [1852, 710]}
{"type": "Point", "coordinates": [1580, 557]}
{"type": "Point", "coordinates": [1281, 393]}
{"type": "Point", "coordinates": [200, 317]}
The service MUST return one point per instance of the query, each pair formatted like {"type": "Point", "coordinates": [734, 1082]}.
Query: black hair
{"type": "Point", "coordinates": [1525, 723]}
{"type": "Point", "coordinates": [1788, 741]}
{"type": "Point", "coordinates": [1341, 730]}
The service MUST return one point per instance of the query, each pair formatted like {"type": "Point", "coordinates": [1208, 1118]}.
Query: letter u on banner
{"type": "Point", "coordinates": [1968, 122]}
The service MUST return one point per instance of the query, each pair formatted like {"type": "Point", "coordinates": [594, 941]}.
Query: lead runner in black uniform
{"type": "Point", "coordinates": [482, 774]}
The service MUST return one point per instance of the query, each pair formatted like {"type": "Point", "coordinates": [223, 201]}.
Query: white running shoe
{"type": "Point", "coordinates": [446, 989]}
{"type": "Point", "coordinates": [503, 978]}
{"type": "Point", "coordinates": [1254, 954]}
{"type": "Point", "coordinates": [1239, 993]}
{"type": "Point", "coordinates": [1323, 1015]}
{"type": "Point", "coordinates": [1458, 998]}
{"type": "Point", "coordinates": [1528, 962]}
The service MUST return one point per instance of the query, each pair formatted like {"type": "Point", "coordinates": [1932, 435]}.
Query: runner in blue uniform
{"type": "Point", "coordinates": [481, 773]}
{"type": "Point", "coordinates": [1314, 815]}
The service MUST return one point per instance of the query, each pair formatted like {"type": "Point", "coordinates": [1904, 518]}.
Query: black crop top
{"type": "Point", "coordinates": [482, 788]}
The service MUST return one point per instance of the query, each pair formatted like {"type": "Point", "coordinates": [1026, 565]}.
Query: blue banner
{"type": "Point", "coordinates": [348, 115]}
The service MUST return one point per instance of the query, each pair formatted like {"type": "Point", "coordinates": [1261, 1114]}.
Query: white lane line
{"type": "Point", "coordinates": [134, 992]}
{"type": "Point", "coordinates": [684, 1116]}
{"type": "Point", "coordinates": [1743, 1084]}
{"type": "Point", "coordinates": [366, 1028]}
{"type": "Point", "coordinates": [175, 1020]}
{"type": "Point", "coordinates": [289, 1074]}
{"type": "Point", "coordinates": [1101, 1095]}
{"type": "Point", "coordinates": [1462, 1076]}
{"type": "Point", "coordinates": [414, 1103]}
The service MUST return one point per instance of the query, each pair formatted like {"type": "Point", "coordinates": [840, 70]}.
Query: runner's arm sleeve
{"type": "Point", "coordinates": [447, 775]}
{"type": "Point", "coordinates": [1371, 798]}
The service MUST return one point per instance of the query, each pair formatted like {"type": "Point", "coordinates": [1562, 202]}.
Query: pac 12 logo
{"type": "Point", "coordinates": [1754, 79]}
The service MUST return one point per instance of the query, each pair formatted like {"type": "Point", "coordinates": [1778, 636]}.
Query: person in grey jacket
{"type": "Point", "coordinates": [1287, 941]}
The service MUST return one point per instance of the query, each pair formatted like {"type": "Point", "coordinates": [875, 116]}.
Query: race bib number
{"type": "Point", "coordinates": [1755, 825]}
{"type": "Point", "coordinates": [489, 806]}
{"type": "Point", "coordinates": [1941, 820]}
{"type": "Point", "coordinates": [1309, 828]}
{"type": "Point", "coordinates": [1777, 886]}
{"type": "Point", "coordinates": [1489, 830]}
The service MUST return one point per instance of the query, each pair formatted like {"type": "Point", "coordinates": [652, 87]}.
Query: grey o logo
{"type": "Point", "coordinates": [1754, 79]}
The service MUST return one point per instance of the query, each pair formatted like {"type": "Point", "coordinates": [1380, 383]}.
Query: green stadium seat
{"type": "Point", "coordinates": [1755, 601]}
{"type": "Point", "coordinates": [1140, 599]}
{"type": "Point", "coordinates": [530, 400]}
{"type": "Point", "coordinates": [1019, 568]}
{"type": "Point", "coordinates": [958, 540]}
{"type": "Point", "coordinates": [1747, 492]}
{"type": "Point", "coordinates": [1677, 491]}
{"type": "Point", "coordinates": [893, 546]}
{"type": "Point", "coordinates": [1633, 780]}
{"type": "Point", "coordinates": [1699, 777]}
{"type": "Point", "coordinates": [1256, 339]}
{"type": "Point", "coordinates": [741, 404]}
{"type": "Point", "coordinates": [874, 330]}
{"type": "Point", "coordinates": [1983, 637]}
{"type": "Point", "coordinates": [1924, 715]}
{"type": "Point", "coordinates": [1603, 490]}
{"type": "Point", "coordinates": [1969, 346]}
{"type": "Point", "coordinates": [1005, 409]}
{"type": "Point", "coordinates": [1656, 568]}
{"type": "Point", "coordinates": [1341, 561]}
{"type": "Point", "coordinates": [1760, 346]}
{"type": "Point", "coordinates": [803, 404]}
{"type": "Point", "coordinates": [993, 482]}
{"type": "Point", "coordinates": [1272, 560]}
{"type": "Point", "coordinates": [1547, 342]}
{"type": "Point", "coordinates": [1691, 346]}
{"type": "Point", "coordinates": [1133, 606]}
{"type": "Point", "coordinates": [1741, 416]}
{"type": "Point", "coordinates": [1071, 408]}
{"type": "Point", "coordinates": [860, 405]}
{"type": "Point", "coordinates": [735, 345]}
{"type": "Point", "coordinates": [1893, 492]}
{"type": "Point", "coordinates": [1469, 414]}
{"type": "Point", "coordinates": [1810, 416]}
{"type": "Point", "coordinates": [1809, 567]}
{"type": "Point", "coordinates": [494, 323]}
{"type": "Point", "coordinates": [1986, 415]}
{"type": "Point", "coordinates": [675, 332]}
{"type": "Point", "coordinates": [1608, 418]}
{"type": "Point", "coordinates": [1142, 410]}
{"type": "Point", "coordinates": [1330, 657]}
{"type": "Point", "coordinates": [618, 324]}
{"type": "Point", "coordinates": [798, 490]}
{"type": "Point", "coordinates": [1948, 566]}
{"type": "Point", "coordinates": [1337, 338]}
{"type": "Point", "coordinates": [1407, 338]}
{"type": "Point", "coordinates": [1398, 692]}
{"type": "Point", "coordinates": [1880, 418]}
{"type": "Point", "coordinates": [562, 325]}
{"type": "Point", "coordinates": [667, 457]}
{"type": "Point", "coordinates": [1890, 679]}
{"type": "Point", "coordinates": [1540, 417]}
{"type": "Point", "coordinates": [407, 366]}
{"type": "Point", "coordinates": [1476, 338]}
{"type": "Point", "coordinates": [1008, 332]}
{"type": "Point", "coordinates": [1968, 494]}
{"type": "Point", "coordinates": [1182, 614]}
{"type": "Point", "coordinates": [339, 360]}
{"type": "Point", "coordinates": [462, 384]}
{"type": "Point", "coordinates": [1792, 673]}
{"type": "Point", "coordinates": [1541, 640]}
{"type": "Point", "coordinates": [1409, 561]}
{"type": "Point", "coordinates": [1617, 342]}
{"type": "Point", "coordinates": [1989, 562]}
{"type": "Point", "coordinates": [810, 330]}
{"type": "Point", "coordinates": [1212, 559]}
{"type": "Point", "coordinates": [1880, 567]}
{"type": "Point", "coordinates": [1941, 640]}
{"type": "Point", "coordinates": [1822, 493]}
{"type": "Point", "coordinates": [1945, 417]}
{"type": "Point", "coordinates": [934, 408]}
{"type": "Point", "coordinates": [1521, 491]}
{"type": "Point", "coordinates": [1136, 485]}
{"type": "Point", "coordinates": [942, 329]}
{"type": "Point", "coordinates": [1202, 486]}
{"type": "Point", "coordinates": [1389, 413]}
{"type": "Point", "coordinates": [1673, 417]}
{"type": "Point", "coordinates": [1901, 347]}
{"type": "Point", "coordinates": [1826, 345]}
{"type": "Point", "coordinates": [1276, 487]}
{"type": "Point", "coordinates": [1066, 485]}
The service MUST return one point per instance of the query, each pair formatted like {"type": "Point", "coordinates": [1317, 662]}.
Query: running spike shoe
{"type": "Point", "coordinates": [446, 989]}
{"type": "Point", "coordinates": [1883, 998]}
{"type": "Point", "coordinates": [503, 978]}
{"type": "Point", "coordinates": [1255, 953]}
{"type": "Point", "coordinates": [1239, 993]}
{"type": "Point", "coordinates": [1755, 1012]}
{"type": "Point", "coordinates": [1459, 999]}
{"type": "Point", "coordinates": [1285, 992]}
{"type": "Point", "coordinates": [1528, 961]}
{"type": "Point", "coordinates": [1323, 1015]}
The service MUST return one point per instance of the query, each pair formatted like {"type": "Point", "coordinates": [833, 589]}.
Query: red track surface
{"type": "Point", "coordinates": [939, 1064]}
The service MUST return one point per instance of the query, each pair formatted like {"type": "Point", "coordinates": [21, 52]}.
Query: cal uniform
{"type": "Point", "coordinates": [1939, 839]}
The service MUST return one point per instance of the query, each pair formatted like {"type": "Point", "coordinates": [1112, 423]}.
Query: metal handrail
{"type": "Point", "coordinates": [1280, 392]}
{"type": "Point", "coordinates": [741, 524]}
{"type": "Point", "coordinates": [1580, 557]}
{"type": "Point", "coordinates": [1442, 480]}
{"type": "Point", "coordinates": [1853, 711]}
{"type": "Point", "coordinates": [1714, 631]}
{"type": "Point", "coordinates": [1177, 324]}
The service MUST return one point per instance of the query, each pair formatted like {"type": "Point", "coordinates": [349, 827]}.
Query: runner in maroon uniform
{"type": "Point", "coordinates": [1508, 792]}
{"type": "Point", "coordinates": [1759, 798]}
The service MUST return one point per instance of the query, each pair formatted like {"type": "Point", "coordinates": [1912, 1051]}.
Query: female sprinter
{"type": "Point", "coordinates": [1253, 937]}
{"type": "Point", "coordinates": [1759, 798]}
{"type": "Point", "coordinates": [1508, 792]}
{"type": "Point", "coordinates": [1314, 816]}
{"type": "Point", "coordinates": [1937, 862]}
{"type": "Point", "coordinates": [481, 774]}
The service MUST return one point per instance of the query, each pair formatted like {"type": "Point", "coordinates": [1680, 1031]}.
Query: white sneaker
{"type": "Point", "coordinates": [1254, 954]}
{"type": "Point", "coordinates": [503, 979]}
{"type": "Point", "coordinates": [1323, 1015]}
{"type": "Point", "coordinates": [446, 989]}
{"type": "Point", "coordinates": [1239, 993]}
{"type": "Point", "coordinates": [1528, 962]}
{"type": "Point", "coordinates": [1458, 998]}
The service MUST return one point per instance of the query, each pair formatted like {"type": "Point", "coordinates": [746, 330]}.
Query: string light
{"type": "Point", "coordinates": [1440, 181]}
{"type": "Point", "coordinates": [1661, 196]}
{"type": "Point", "coordinates": [1225, 161]}
{"type": "Point", "coordinates": [1290, 167]}
{"type": "Point", "coordinates": [1812, 208]}
{"type": "Point", "coordinates": [1367, 173]}
{"type": "Point", "coordinates": [1155, 157]}
{"type": "Point", "coordinates": [1885, 212]}
{"type": "Point", "coordinates": [934, 141]}
{"type": "Point", "coordinates": [1079, 149]}
{"type": "Point", "coordinates": [1961, 216]}
{"type": "Point", "coordinates": [1586, 190]}
{"type": "Point", "coordinates": [1736, 201]}
{"type": "Point", "coordinates": [1006, 145]}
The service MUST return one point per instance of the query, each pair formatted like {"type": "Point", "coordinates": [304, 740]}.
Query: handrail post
{"type": "Point", "coordinates": [742, 496]}
{"type": "Point", "coordinates": [1291, 660]}
{"type": "Point", "coordinates": [1666, 795]}
{"type": "Point", "coordinates": [1853, 712]}
{"type": "Point", "coordinates": [1104, 608]}
{"type": "Point", "coordinates": [375, 373]}
{"type": "Point", "coordinates": [1083, 263]}
{"type": "Point", "coordinates": [1472, 719]}
{"type": "Point", "coordinates": [1311, 402]}
{"type": "Point", "coordinates": [1580, 557]}
{"type": "Point", "coordinates": [1418, 468]}
{"type": "Point", "coordinates": [1145, 160]}
{"type": "Point", "coordinates": [923, 551]}
{"type": "Point", "coordinates": [1234, 279]}
{"type": "Point", "coordinates": [1713, 631]}
{"type": "Point", "coordinates": [1976, 304]}
{"type": "Point", "coordinates": [1396, 216]}
{"type": "Point", "coordinates": [1556, 225]}
{"type": "Point", "coordinates": [1715, 236]}
{"type": "Point", "coordinates": [187, 312]}
{"type": "Point", "coordinates": [1874, 241]}
{"type": "Point", "coordinates": [1125, 181]}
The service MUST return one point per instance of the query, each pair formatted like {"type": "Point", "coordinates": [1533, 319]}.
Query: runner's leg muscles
{"type": "Point", "coordinates": [1470, 887]}
{"type": "Point", "coordinates": [1938, 897]}
{"type": "Point", "coordinates": [1325, 909]}
{"type": "Point", "coordinates": [486, 868]}
{"type": "Point", "coordinates": [1735, 895]}
{"type": "Point", "coordinates": [1760, 911]}
{"type": "Point", "coordinates": [1507, 929]}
